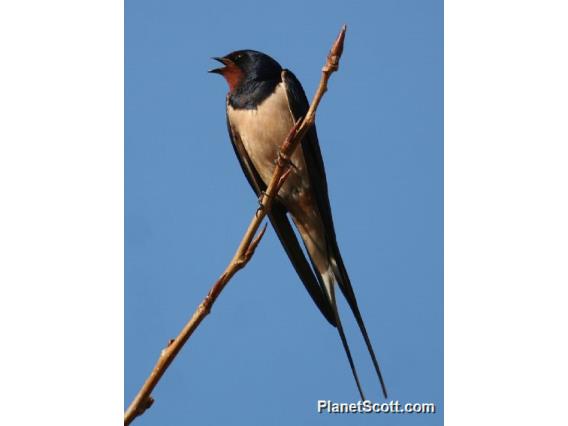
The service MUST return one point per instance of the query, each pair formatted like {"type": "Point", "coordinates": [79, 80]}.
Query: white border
{"type": "Point", "coordinates": [61, 214]}
{"type": "Point", "coordinates": [506, 233]}
{"type": "Point", "coordinates": [61, 196]}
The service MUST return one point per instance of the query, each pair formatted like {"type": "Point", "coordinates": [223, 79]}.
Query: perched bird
{"type": "Point", "coordinates": [263, 103]}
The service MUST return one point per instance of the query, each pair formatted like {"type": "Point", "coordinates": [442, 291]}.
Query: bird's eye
{"type": "Point", "coordinates": [239, 57]}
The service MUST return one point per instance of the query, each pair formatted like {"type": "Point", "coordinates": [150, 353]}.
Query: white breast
{"type": "Point", "coordinates": [263, 130]}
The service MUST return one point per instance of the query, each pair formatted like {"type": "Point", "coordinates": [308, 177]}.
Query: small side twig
{"type": "Point", "coordinates": [249, 243]}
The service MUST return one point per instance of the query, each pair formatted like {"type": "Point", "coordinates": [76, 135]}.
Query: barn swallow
{"type": "Point", "coordinates": [263, 103]}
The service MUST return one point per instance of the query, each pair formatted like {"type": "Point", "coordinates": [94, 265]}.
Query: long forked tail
{"type": "Point", "coordinates": [344, 283]}
{"type": "Point", "coordinates": [361, 324]}
{"type": "Point", "coordinates": [331, 291]}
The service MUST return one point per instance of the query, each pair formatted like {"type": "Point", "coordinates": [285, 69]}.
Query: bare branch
{"type": "Point", "coordinates": [245, 251]}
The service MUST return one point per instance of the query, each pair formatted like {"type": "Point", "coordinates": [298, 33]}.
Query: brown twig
{"type": "Point", "coordinates": [245, 251]}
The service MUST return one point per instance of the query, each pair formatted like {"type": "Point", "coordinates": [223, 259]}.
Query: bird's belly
{"type": "Point", "coordinates": [262, 132]}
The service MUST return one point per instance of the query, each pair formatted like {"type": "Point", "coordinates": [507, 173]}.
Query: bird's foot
{"type": "Point", "coordinates": [260, 200]}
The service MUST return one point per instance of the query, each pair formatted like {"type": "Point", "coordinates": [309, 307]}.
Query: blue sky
{"type": "Point", "coordinates": [265, 355]}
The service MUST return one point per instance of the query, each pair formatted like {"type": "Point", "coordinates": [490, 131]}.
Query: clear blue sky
{"type": "Point", "coordinates": [265, 355]}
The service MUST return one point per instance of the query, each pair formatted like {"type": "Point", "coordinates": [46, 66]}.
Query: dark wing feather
{"type": "Point", "coordinates": [314, 162]}
{"type": "Point", "coordinates": [287, 237]}
{"type": "Point", "coordinates": [283, 228]}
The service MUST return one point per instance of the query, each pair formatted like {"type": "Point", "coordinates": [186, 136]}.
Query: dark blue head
{"type": "Point", "coordinates": [247, 65]}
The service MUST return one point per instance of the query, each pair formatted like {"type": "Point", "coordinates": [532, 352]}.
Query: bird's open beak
{"type": "Point", "coordinates": [220, 70]}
